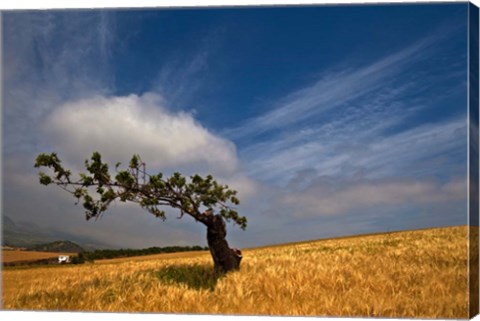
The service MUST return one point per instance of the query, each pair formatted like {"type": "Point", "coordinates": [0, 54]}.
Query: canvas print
{"type": "Point", "coordinates": [316, 160]}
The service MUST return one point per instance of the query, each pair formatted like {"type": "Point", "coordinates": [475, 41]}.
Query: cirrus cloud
{"type": "Point", "coordinates": [324, 198]}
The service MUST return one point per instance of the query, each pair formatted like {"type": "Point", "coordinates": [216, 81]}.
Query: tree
{"type": "Point", "coordinates": [79, 259]}
{"type": "Point", "coordinates": [196, 197]}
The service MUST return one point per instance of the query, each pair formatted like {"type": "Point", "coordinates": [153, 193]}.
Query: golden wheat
{"type": "Point", "coordinates": [407, 274]}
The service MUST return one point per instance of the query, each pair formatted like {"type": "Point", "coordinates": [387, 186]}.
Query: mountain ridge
{"type": "Point", "coordinates": [63, 246]}
{"type": "Point", "coordinates": [27, 235]}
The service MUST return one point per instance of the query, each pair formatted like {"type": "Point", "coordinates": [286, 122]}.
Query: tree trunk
{"type": "Point", "coordinates": [225, 259]}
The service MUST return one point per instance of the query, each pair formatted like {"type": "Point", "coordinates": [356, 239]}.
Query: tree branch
{"type": "Point", "coordinates": [131, 185]}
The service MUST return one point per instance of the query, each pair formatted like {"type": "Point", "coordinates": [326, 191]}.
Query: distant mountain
{"type": "Point", "coordinates": [8, 224]}
{"type": "Point", "coordinates": [23, 234]}
{"type": "Point", "coordinates": [58, 246]}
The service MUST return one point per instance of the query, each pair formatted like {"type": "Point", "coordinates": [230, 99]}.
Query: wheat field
{"type": "Point", "coordinates": [406, 274]}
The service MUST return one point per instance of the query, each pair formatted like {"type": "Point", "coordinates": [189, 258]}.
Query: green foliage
{"type": "Point", "coordinates": [52, 161]}
{"type": "Point", "coordinates": [98, 169]}
{"type": "Point", "coordinates": [45, 179]}
{"type": "Point", "coordinates": [135, 161]}
{"type": "Point", "coordinates": [134, 184]}
{"type": "Point", "coordinates": [79, 259]}
{"type": "Point", "coordinates": [110, 254]}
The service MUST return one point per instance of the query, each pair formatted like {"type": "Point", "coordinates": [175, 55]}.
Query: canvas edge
{"type": "Point", "coordinates": [473, 158]}
{"type": "Point", "coordinates": [473, 144]}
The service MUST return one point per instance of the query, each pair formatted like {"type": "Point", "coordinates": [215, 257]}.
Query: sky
{"type": "Point", "coordinates": [328, 120]}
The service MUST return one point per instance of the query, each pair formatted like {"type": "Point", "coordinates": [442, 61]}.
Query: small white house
{"type": "Point", "coordinates": [63, 259]}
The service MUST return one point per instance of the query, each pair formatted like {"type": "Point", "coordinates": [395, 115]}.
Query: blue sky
{"type": "Point", "coordinates": [329, 120]}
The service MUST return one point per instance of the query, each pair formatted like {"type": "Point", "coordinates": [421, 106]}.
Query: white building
{"type": "Point", "coordinates": [63, 259]}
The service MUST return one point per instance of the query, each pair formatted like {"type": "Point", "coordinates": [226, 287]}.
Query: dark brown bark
{"type": "Point", "coordinates": [225, 259]}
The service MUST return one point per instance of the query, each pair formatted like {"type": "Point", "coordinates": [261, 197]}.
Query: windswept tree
{"type": "Point", "coordinates": [198, 197]}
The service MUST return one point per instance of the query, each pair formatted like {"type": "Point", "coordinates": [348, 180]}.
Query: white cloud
{"type": "Point", "coordinates": [324, 198]}
{"type": "Point", "coordinates": [246, 187]}
{"type": "Point", "coordinates": [119, 127]}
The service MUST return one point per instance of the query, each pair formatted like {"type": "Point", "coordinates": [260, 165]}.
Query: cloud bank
{"type": "Point", "coordinates": [119, 127]}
